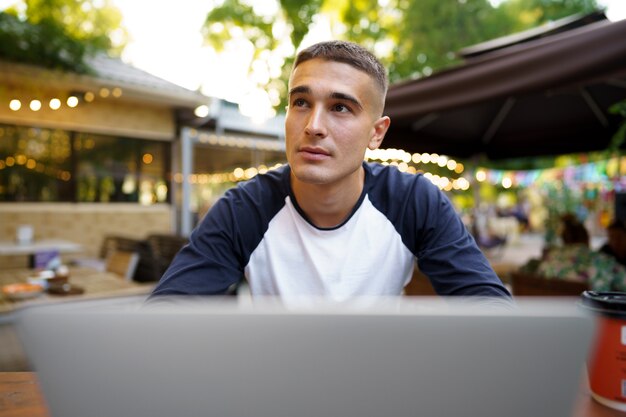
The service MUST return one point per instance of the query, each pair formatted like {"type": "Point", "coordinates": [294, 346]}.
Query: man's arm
{"type": "Point", "coordinates": [220, 247]}
{"type": "Point", "coordinates": [446, 251]}
{"type": "Point", "coordinates": [210, 263]}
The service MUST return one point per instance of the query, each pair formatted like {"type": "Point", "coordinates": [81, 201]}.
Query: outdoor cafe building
{"type": "Point", "coordinates": [86, 156]}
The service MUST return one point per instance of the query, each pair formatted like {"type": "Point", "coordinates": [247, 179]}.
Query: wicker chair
{"type": "Point", "coordinates": [163, 249]}
{"type": "Point", "coordinates": [144, 269]}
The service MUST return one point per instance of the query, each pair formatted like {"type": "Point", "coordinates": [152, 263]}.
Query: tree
{"type": "Point", "coordinates": [414, 38]}
{"type": "Point", "coordinates": [60, 33]}
{"type": "Point", "coordinates": [525, 14]}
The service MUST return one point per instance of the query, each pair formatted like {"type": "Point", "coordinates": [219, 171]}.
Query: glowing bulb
{"type": "Point", "coordinates": [55, 104]}
{"type": "Point", "coordinates": [35, 105]}
{"type": "Point", "coordinates": [481, 175]}
{"type": "Point", "coordinates": [89, 96]}
{"type": "Point", "coordinates": [15, 105]}
{"type": "Point", "coordinates": [201, 111]}
{"type": "Point", "coordinates": [72, 101]}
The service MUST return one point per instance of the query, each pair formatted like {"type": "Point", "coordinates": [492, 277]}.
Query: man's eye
{"type": "Point", "coordinates": [299, 102]}
{"type": "Point", "coordinates": [341, 108]}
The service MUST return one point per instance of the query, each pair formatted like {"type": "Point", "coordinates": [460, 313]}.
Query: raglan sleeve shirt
{"type": "Point", "coordinates": [422, 221]}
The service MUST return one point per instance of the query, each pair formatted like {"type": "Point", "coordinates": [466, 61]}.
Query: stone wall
{"type": "Point", "coordinates": [83, 223]}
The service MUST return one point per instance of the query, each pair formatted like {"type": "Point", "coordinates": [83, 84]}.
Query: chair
{"type": "Point", "coordinates": [122, 263]}
{"type": "Point", "coordinates": [110, 244]}
{"type": "Point", "coordinates": [164, 248]}
{"type": "Point", "coordinates": [525, 284]}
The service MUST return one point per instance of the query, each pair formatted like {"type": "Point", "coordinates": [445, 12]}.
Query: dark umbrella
{"type": "Point", "coordinates": [545, 96]}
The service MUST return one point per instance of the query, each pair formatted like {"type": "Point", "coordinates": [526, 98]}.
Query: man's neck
{"type": "Point", "coordinates": [328, 205]}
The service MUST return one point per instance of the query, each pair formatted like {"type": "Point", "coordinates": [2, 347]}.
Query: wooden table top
{"type": "Point", "coordinates": [96, 284]}
{"type": "Point", "coordinates": [11, 248]}
{"type": "Point", "coordinates": [20, 396]}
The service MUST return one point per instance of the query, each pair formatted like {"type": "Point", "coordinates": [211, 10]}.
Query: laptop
{"type": "Point", "coordinates": [367, 358]}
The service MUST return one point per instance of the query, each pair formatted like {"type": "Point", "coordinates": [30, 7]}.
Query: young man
{"type": "Point", "coordinates": [329, 224]}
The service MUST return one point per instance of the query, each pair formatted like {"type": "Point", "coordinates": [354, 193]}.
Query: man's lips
{"type": "Point", "coordinates": [313, 152]}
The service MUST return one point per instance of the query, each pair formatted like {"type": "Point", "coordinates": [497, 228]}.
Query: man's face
{"type": "Point", "coordinates": [333, 116]}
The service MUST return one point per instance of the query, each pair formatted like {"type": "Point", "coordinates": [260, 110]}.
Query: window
{"type": "Point", "coordinates": [57, 165]}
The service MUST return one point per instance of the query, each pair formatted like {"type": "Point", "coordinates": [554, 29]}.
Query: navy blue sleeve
{"type": "Point", "coordinates": [447, 253]}
{"type": "Point", "coordinates": [219, 247]}
{"type": "Point", "coordinates": [431, 228]}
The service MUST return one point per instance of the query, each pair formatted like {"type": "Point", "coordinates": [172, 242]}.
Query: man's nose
{"type": "Point", "coordinates": [316, 125]}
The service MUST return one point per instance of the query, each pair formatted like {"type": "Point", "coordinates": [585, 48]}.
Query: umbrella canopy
{"type": "Point", "coordinates": [546, 96]}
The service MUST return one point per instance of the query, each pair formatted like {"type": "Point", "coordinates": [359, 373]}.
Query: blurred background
{"type": "Point", "coordinates": [132, 117]}
{"type": "Point", "coordinates": [123, 121]}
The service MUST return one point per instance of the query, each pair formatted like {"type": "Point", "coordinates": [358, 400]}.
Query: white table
{"type": "Point", "coordinates": [12, 248]}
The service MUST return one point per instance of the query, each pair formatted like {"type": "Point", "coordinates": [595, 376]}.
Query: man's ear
{"type": "Point", "coordinates": [380, 129]}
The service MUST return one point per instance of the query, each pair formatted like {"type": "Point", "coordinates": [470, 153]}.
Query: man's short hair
{"type": "Point", "coordinates": [347, 53]}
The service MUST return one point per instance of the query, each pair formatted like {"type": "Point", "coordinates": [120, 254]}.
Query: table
{"type": "Point", "coordinates": [20, 396]}
{"type": "Point", "coordinates": [11, 248]}
{"type": "Point", "coordinates": [96, 284]}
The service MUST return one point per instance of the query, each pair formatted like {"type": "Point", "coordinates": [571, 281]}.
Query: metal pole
{"type": "Point", "coordinates": [186, 168]}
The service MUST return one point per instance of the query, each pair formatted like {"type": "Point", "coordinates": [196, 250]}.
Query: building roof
{"type": "Point", "coordinates": [547, 29]}
{"type": "Point", "coordinates": [137, 85]}
{"type": "Point", "coordinates": [545, 96]}
{"type": "Point", "coordinates": [141, 82]}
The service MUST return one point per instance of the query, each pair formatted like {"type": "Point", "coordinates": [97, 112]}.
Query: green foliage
{"type": "Point", "coordinates": [91, 21]}
{"type": "Point", "coordinates": [414, 38]}
{"type": "Point", "coordinates": [60, 34]}
{"type": "Point", "coordinates": [620, 135]}
{"type": "Point", "coordinates": [222, 21]}
{"type": "Point", "coordinates": [299, 15]}
{"type": "Point", "coordinates": [45, 44]}
{"type": "Point", "coordinates": [432, 31]}
{"type": "Point", "coordinates": [526, 14]}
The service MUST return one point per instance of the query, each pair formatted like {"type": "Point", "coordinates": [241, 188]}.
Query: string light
{"type": "Point", "coordinates": [55, 104]}
{"type": "Point", "coordinates": [72, 101]}
{"type": "Point", "coordinates": [401, 159]}
{"type": "Point", "coordinates": [35, 105]}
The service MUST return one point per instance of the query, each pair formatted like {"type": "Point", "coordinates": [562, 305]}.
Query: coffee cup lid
{"type": "Point", "coordinates": [608, 302]}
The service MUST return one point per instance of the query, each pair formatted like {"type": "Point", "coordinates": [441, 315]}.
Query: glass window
{"type": "Point", "coordinates": [35, 164]}
{"type": "Point", "coordinates": [216, 169]}
{"type": "Point", "coordinates": [56, 165]}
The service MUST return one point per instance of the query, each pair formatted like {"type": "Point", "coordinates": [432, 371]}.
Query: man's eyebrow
{"type": "Point", "coordinates": [347, 97]}
{"type": "Point", "coordinates": [303, 89]}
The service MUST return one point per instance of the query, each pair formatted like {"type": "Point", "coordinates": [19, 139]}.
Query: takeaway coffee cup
{"type": "Point", "coordinates": [607, 359]}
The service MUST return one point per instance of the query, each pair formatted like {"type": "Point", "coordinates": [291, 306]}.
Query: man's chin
{"type": "Point", "coordinates": [311, 175]}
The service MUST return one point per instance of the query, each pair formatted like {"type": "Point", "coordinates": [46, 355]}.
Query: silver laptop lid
{"type": "Point", "coordinates": [400, 357]}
